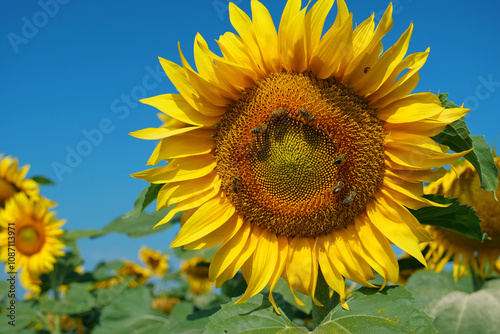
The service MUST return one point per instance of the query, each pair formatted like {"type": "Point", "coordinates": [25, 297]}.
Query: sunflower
{"type": "Point", "coordinates": [165, 304]}
{"type": "Point", "coordinates": [196, 270]}
{"type": "Point", "coordinates": [12, 180]}
{"type": "Point", "coordinates": [154, 260]}
{"type": "Point", "coordinates": [28, 225]}
{"type": "Point", "coordinates": [464, 184]}
{"type": "Point", "coordinates": [301, 151]}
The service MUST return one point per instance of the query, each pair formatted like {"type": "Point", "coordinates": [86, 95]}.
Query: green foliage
{"type": "Point", "coordinates": [457, 137]}
{"type": "Point", "coordinates": [392, 310]}
{"type": "Point", "coordinates": [146, 197]}
{"type": "Point", "coordinates": [255, 316]}
{"type": "Point", "coordinates": [457, 217]}
{"type": "Point", "coordinates": [26, 316]}
{"type": "Point", "coordinates": [455, 306]}
{"type": "Point", "coordinates": [42, 180]}
{"type": "Point", "coordinates": [138, 226]}
{"type": "Point", "coordinates": [131, 312]}
{"type": "Point", "coordinates": [77, 299]}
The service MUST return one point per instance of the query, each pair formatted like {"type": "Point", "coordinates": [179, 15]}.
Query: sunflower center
{"type": "Point", "coordinates": [30, 238]}
{"type": "Point", "coordinates": [7, 190]}
{"type": "Point", "coordinates": [298, 155]}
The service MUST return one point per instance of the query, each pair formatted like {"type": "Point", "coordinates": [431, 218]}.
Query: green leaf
{"type": "Point", "coordinates": [482, 159]}
{"type": "Point", "coordinates": [457, 217]}
{"type": "Point", "coordinates": [140, 225]}
{"type": "Point", "coordinates": [256, 316]}
{"type": "Point", "coordinates": [132, 312]}
{"type": "Point", "coordinates": [77, 299]}
{"type": "Point", "coordinates": [26, 314]}
{"type": "Point", "coordinates": [64, 269]}
{"type": "Point", "coordinates": [457, 137]}
{"type": "Point", "coordinates": [392, 310]}
{"type": "Point", "coordinates": [79, 234]}
{"type": "Point", "coordinates": [456, 311]}
{"type": "Point", "coordinates": [443, 97]}
{"type": "Point", "coordinates": [42, 180]}
{"type": "Point", "coordinates": [4, 288]}
{"type": "Point", "coordinates": [185, 320]}
{"type": "Point", "coordinates": [106, 296]}
{"type": "Point", "coordinates": [206, 253]}
{"type": "Point", "coordinates": [146, 197]}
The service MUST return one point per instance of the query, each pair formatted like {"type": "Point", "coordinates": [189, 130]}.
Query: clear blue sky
{"type": "Point", "coordinates": [70, 67]}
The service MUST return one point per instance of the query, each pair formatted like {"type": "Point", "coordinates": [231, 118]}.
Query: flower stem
{"type": "Point", "coordinates": [322, 294]}
{"type": "Point", "coordinates": [477, 281]}
{"type": "Point", "coordinates": [54, 283]}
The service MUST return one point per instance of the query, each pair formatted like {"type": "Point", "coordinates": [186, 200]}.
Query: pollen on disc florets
{"type": "Point", "coordinates": [298, 155]}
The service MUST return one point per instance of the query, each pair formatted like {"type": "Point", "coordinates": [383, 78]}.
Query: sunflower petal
{"type": "Point", "coordinates": [208, 217]}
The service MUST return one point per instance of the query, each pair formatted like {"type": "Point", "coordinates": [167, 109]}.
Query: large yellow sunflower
{"type": "Point", "coordinates": [12, 180]}
{"type": "Point", "coordinates": [29, 237]}
{"type": "Point", "coordinates": [483, 257]}
{"type": "Point", "coordinates": [301, 151]}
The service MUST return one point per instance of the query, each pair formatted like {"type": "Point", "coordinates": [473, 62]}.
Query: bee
{"type": "Point", "coordinates": [259, 129]}
{"type": "Point", "coordinates": [350, 197]}
{"type": "Point", "coordinates": [277, 112]}
{"type": "Point", "coordinates": [338, 187]}
{"type": "Point", "coordinates": [236, 185]}
{"type": "Point", "coordinates": [366, 69]}
{"type": "Point", "coordinates": [340, 160]}
{"type": "Point", "coordinates": [304, 113]}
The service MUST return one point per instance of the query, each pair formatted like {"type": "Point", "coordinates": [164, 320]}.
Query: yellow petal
{"type": "Point", "coordinates": [228, 251]}
{"type": "Point", "coordinates": [267, 37]}
{"type": "Point", "coordinates": [243, 256]}
{"type": "Point", "coordinates": [192, 143]}
{"type": "Point", "coordinates": [302, 267]}
{"type": "Point", "coordinates": [377, 249]}
{"type": "Point", "coordinates": [209, 90]}
{"type": "Point", "coordinates": [332, 276]}
{"type": "Point", "coordinates": [176, 75]}
{"type": "Point", "coordinates": [256, 270]}
{"type": "Point", "coordinates": [190, 203]}
{"type": "Point", "coordinates": [175, 106]}
{"type": "Point", "coordinates": [176, 192]}
{"type": "Point", "coordinates": [384, 217]}
{"type": "Point", "coordinates": [383, 67]}
{"type": "Point", "coordinates": [224, 232]}
{"type": "Point", "coordinates": [159, 133]}
{"type": "Point", "coordinates": [207, 218]}
{"type": "Point", "coordinates": [278, 269]}
{"type": "Point", "coordinates": [411, 108]}
{"type": "Point", "coordinates": [243, 25]}
{"type": "Point", "coordinates": [180, 169]}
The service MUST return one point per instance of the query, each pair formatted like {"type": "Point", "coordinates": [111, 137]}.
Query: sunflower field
{"type": "Point", "coordinates": [313, 190]}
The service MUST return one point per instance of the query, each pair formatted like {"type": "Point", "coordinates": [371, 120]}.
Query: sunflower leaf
{"type": "Point", "coordinates": [146, 197]}
{"type": "Point", "coordinates": [78, 299]}
{"type": "Point", "coordinates": [132, 312]}
{"type": "Point", "coordinates": [392, 310]}
{"type": "Point", "coordinates": [256, 316]}
{"type": "Point", "coordinates": [457, 137]}
{"type": "Point", "coordinates": [140, 225]}
{"type": "Point", "coordinates": [26, 313]}
{"type": "Point", "coordinates": [42, 180]}
{"type": "Point", "coordinates": [455, 306]}
{"type": "Point", "coordinates": [459, 218]}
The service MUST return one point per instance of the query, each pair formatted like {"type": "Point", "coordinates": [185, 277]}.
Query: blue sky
{"type": "Point", "coordinates": [72, 72]}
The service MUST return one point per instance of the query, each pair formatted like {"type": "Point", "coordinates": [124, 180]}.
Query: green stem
{"type": "Point", "coordinates": [54, 283]}
{"type": "Point", "coordinates": [477, 281]}
{"type": "Point", "coordinates": [322, 295]}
